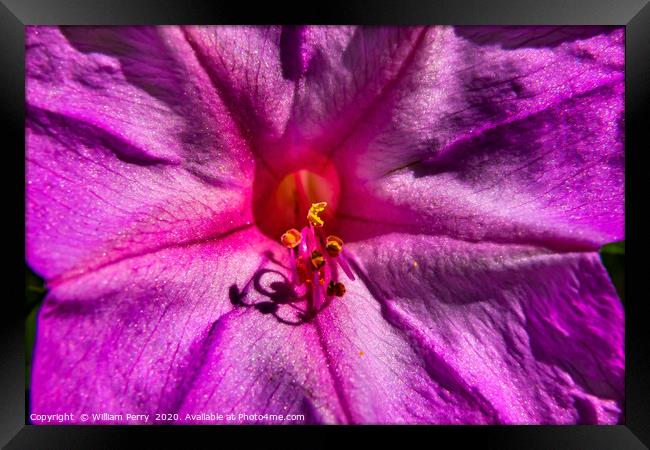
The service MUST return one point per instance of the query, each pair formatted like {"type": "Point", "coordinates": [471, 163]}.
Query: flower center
{"type": "Point", "coordinates": [279, 206]}
{"type": "Point", "coordinates": [297, 210]}
{"type": "Point", "coordinates": [316, 260]}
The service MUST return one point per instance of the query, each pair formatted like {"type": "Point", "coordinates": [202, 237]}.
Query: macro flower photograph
{"type": "Point", "coordinates": [325, 225]}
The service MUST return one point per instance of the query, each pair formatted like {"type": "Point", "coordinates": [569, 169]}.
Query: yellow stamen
{"type": "Point", "coordinates": [333, 245]}
{"type": "Point", "coordinates": [312, 215]}
{"type": "Point", "coordinates": [337, 289]}
{"type": "Point", "coordinates": [291, 238]}
{"type": "Point", "coordinates": [317, 259]}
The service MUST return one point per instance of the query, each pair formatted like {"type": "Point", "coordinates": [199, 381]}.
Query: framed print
{"type": "Point", "coordinates": [404, 216]}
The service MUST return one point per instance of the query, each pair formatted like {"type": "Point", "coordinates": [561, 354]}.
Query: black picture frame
{"type": "Point", "coordinates": [15, 14]}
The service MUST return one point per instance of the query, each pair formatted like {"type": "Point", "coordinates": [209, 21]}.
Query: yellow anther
{"type": "Point", "coordinates": [333, 245]}
{"type": "Point", "coordinates": [314, 211]}
{"type": "Point", "coordinates": [291, 238]}
{"type": "Point", "coordinates": [337, 289]}
{"type": "Point", "coordinates": [317, 259]}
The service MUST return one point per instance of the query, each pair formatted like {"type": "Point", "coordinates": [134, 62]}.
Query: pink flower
{"type": "Point", "coordinates": [470, 173]}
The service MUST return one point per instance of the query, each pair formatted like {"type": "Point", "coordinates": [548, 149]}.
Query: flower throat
{"type": "Point", "coordinates": [282, 202]}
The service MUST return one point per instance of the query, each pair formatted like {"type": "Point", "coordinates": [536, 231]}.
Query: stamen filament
{"type": "Point", "coordinates": [318, 292]}
{"type": "Point", "coordinates": [343, 262]}
{"type": "Point", "coordinates": [294, 272]}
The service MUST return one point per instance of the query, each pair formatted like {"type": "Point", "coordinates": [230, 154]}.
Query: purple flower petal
{"type": "Point", "coordinates": [350, 72]}
{"type": "Point", "coordinates": [448, 332]}
{"type": "Point", "coordinates": [517, 36]}
{"type": "Point", "coordinates": [246, 69]}
{"type": "Point", "coordinates": [144, 87]}
{"type": "Point", "coordinates": [128, 148]}
{"type": "Point", "coordinates": [521, 145]}
{"type": "Point", "coordinates": [530, 337]}
{"type": "Point", "coordinates": [130, 337]}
